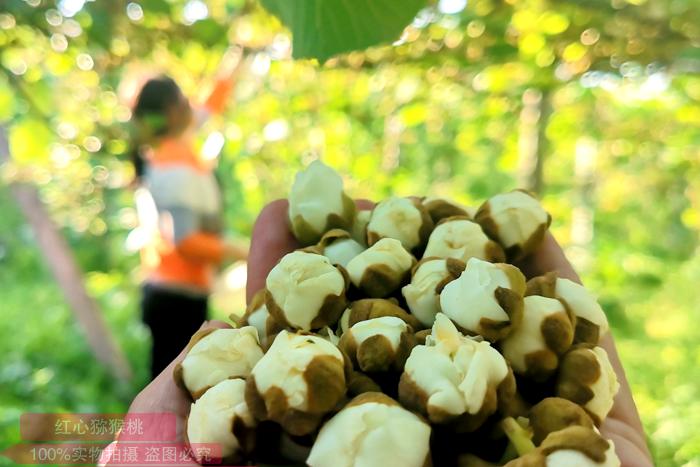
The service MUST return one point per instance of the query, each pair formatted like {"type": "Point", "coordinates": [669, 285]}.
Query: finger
{"type": "Point", "coordinates": [624, 411]}
{"type": "Point", "coordinates": [548, 257]}
{"type": "Point", "coordinates": [272, 239]}
{"type": "Point", "coordinates": [630, 448]}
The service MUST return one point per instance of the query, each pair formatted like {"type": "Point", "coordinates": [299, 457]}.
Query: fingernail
{"type": "Point", "coordinates": [204, 324]}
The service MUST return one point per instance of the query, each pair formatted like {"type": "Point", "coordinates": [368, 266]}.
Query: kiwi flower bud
{"type": "Point", "coordinates": [329, 334]}
{"type": "Point", "coordinates": [370, 308]}
{"type": "Point", "coordinates": [452, 376]}
{"type": "Point", "coordinates": [553, 414]}
{"type": "Point", "coordinates": [305, 291]}
{"type": "Point", "coordinates": [317, 203]}
{"type": "Point", "coordinates": [430, 276]}
{"type": "Point", "coordinates": [215, 355]}
{"type": "Point", "coordinates": [221, 417]}
{"type": "Point", "coordinates": [298, 381]}
{"type": "Point", "coordinates": [460, 238]}
{"type": "Point", "coordinates": [372, 429]}
{"type": "Point", "coordinates": [379, 344]}
{"type": "Point", "coordinates": [359, 383]}
{"type": "Point", "coordinates": [441, 208]}
{"type": "Point", "coordinates": [404, 219]}
{"type": "Point", "coordinates": [382, 268]}
{"type": "Point", "coordinates": [258, 316]}
{"type": "Point", "coordinates": [487, 299]}
{"type": "Point", "coordinates": [339, 247]}
{"type": "Point", "coordinates": [591, 322]}
{"type": "Point", "coordinates": [587, 378]}
{"type": "Point", "coordinates": [544, 333]}
{"type": "Point", "coordinates": [516, 220]}
{"type": "Point", "coordinates": [572, 446]}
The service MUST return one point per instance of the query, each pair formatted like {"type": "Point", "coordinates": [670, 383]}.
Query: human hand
{"type": "Point", "coordinates": [272, 239]}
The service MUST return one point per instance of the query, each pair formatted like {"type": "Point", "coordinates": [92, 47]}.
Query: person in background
{"type": "Point", "coordinates": [179, 207]}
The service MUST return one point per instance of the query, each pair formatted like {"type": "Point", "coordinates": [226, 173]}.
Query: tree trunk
{"type": "Point", "coordinates": [582, 216]}
{"type": "Point", "coordinates": [532, 143]}
{"type": "Point", "coordinates": [65, 270]}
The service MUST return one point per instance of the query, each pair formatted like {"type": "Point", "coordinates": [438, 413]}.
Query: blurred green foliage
{"type": "Point", "coordinates": [607, 92]}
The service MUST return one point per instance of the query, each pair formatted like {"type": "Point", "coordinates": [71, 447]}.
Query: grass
{"type": "Point", "coordinates": [47, 365]}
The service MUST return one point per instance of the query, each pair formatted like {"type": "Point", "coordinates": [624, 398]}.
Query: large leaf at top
{"type": "Point", "coordinates": [323, 28]}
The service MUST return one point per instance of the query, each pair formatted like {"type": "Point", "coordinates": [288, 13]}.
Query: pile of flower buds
{"type": "Point", "coordinates": [405, 336]}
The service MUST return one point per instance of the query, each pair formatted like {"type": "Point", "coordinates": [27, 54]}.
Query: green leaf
{"type": "Point", "coordinates": [208, 32]}
{"type": "Point", "coordinates": [156, 6]}
{"type": "Point", "coordinates": [102, 25]}
{"type": "Point", "coordinates": [323, 28]}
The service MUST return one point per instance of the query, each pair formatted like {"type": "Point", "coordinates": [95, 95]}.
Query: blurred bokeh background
{"type": "Point", "coordinates": [593, 104]}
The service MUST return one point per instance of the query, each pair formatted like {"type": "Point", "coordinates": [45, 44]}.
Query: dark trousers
{"type": "Point", "coordinates": [172, 317]}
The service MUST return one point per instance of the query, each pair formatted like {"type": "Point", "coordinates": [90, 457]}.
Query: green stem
{"type": "Point", "coordinates": [520, 438]}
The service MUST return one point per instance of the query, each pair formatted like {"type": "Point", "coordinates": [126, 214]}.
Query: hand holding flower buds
{"type": "Point", "coordinates": [506, 369]}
